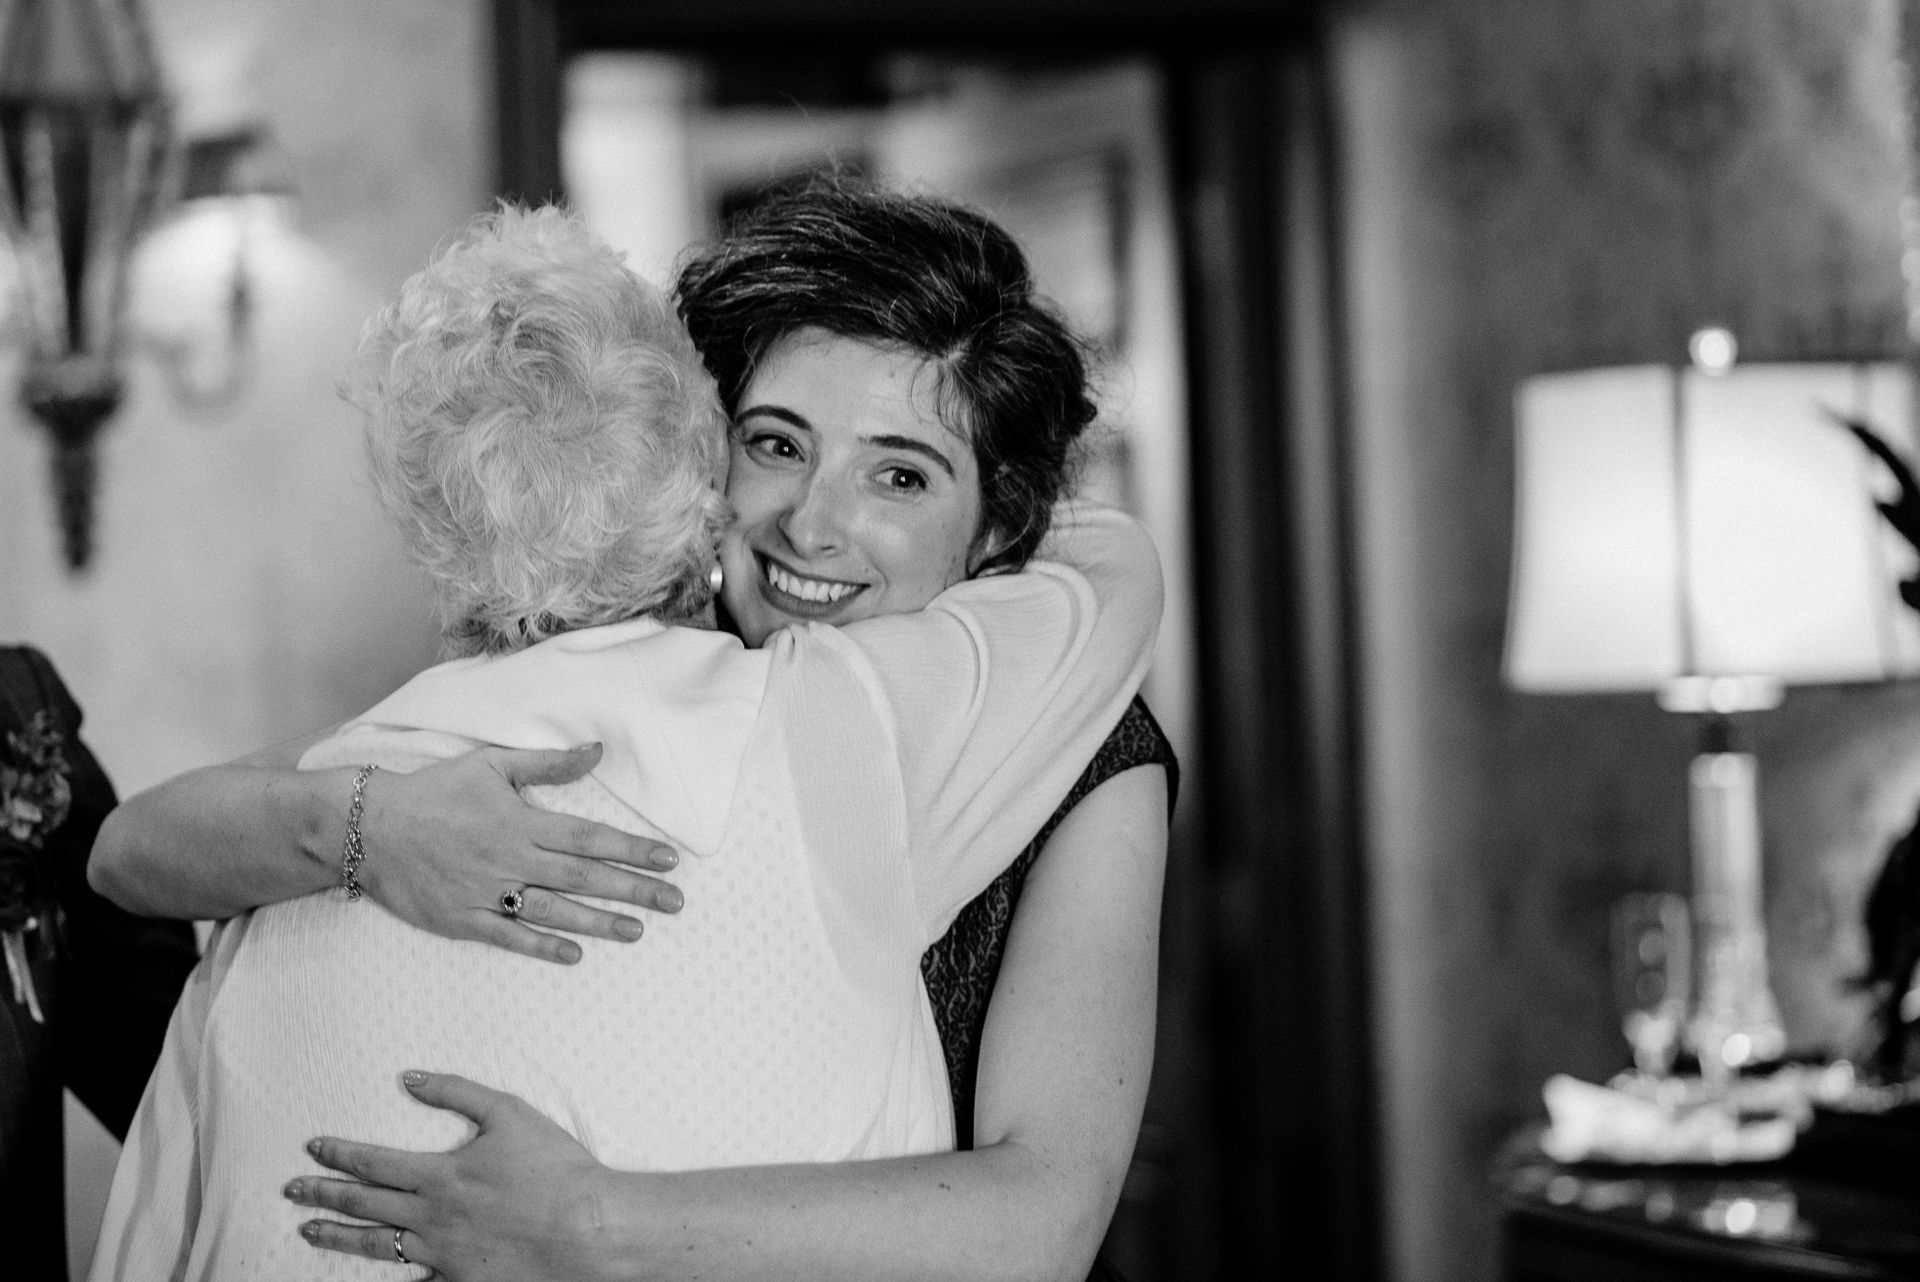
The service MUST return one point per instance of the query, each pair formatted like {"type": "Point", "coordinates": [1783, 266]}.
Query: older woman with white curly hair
{"type": "Point", "coordinates": [543, 431]}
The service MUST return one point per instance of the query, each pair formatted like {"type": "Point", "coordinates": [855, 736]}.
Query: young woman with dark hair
{"type": "Point", "coordinates": [939, 280]}
{"type": "Point", "coordinates": [904, 304]}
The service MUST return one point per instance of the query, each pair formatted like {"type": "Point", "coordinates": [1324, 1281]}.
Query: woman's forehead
{"type": "Point", "coordinates": [837, 383]}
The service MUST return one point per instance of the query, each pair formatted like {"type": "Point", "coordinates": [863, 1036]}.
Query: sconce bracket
{"type": "Point", "coordinates": [73, 398]}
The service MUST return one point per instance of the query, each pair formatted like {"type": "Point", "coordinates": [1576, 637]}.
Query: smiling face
{"type": "Point", "coordinates": [852, 498]}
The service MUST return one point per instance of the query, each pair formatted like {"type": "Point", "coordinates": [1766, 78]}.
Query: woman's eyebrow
{"type": "Point", "coordinates": [775, 411]}
{"type": "Point", "coordinates": [912, 446]}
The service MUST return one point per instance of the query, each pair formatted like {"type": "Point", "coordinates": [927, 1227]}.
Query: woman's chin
{"type": "Point", "coordinates": [755, 618]}
{"type": "Point", "coordinates": [770, 621]}
{"type": "Point", "coordinates": [753, 627]}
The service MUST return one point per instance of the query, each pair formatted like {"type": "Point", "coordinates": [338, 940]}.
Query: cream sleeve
{"type": "Point", "coordinates": [993, 700]}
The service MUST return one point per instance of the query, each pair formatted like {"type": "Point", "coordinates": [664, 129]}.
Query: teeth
{"type": "Point", "coordinates": [806, 589]}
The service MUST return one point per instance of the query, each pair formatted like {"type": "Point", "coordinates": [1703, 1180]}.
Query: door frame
{"type": "Point", "coordinates": [1267, 1050]}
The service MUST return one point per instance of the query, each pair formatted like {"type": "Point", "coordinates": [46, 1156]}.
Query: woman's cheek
{"type": "Point", "coordinates": [957, 541]}
{"type": "Point", "coordinates": [931, 557]}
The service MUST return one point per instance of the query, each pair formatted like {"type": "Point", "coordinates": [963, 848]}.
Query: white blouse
{"type": "Point", "coordinates": [844, 793]}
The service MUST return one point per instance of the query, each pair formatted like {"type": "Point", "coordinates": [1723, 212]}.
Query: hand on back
{"type": "Point", "coordinates": [446, 843]}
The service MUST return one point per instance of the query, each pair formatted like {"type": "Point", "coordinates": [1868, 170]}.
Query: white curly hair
{"type": "Point", "coordinates": [542, 429]}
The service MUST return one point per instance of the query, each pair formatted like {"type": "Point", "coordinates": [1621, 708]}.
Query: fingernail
{"type": "Point", "coordinates": [569, 953]}
{"type": "Point", "coordinates": [414, 1077]}
{"type": "Point", "coordinates": [310, 1231]}
{"type": "Point", "coordinates": [313, 1147]}
{"type": "Point", "coordinates": [669, 858]}
{"type": "Point", "coordinates": [627, 928]}
{"type": "Point", "coordinates": [671, 900]}
{"type": "Point", "coordinates": [292, 1190]}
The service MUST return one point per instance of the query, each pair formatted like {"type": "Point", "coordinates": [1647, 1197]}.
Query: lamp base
{"type": "Point", "coordinates": [1736, 1021]}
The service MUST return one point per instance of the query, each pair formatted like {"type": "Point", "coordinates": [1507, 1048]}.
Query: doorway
{"type": "Point", "coordinates": [1169, 178]}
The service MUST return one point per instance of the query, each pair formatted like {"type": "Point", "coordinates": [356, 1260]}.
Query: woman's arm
{"type": "Point", "coordinates": [1063, 1078]}
{"type": "Point", "coordinates": [217, 841]}
{"type": "Point", "coordinates": [999, 694]}
{"type": "Point", "coordinates": [442, 844]}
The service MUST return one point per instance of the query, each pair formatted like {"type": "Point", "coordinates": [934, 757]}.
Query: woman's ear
{"type": "Point", "coordinates": [988, 545]}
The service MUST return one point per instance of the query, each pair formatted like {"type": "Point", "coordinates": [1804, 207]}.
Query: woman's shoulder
{"type": "Point", "coordinates": [673, 707]}
{"type": "Point", "coordinates": [1137, 741]}
{"type": "Point", "coordinates": [600, 671]}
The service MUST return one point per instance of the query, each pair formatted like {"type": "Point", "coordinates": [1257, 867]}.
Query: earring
{"type": "Point", "coordinates": [716, 578]}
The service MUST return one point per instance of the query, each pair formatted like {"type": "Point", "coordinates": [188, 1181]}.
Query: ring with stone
{"type": "Point", "coordinates": [511, 902]}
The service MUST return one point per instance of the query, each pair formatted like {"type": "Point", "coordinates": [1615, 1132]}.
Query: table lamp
{"type": "Point", "coordinates": [1709, 533]}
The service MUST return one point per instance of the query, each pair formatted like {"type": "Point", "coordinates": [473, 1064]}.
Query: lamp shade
{"type": "Point", "coordinates": [1673, 524]}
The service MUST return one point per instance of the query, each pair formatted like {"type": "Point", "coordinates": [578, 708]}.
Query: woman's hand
{"type": "Point", "coordinates": [511, 1203]}
{"type": "Point", "coordinates": [445, 843]}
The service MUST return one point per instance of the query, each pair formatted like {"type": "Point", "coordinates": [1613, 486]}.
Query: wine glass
{"type": "Point", "coordinates": [1652, 974]}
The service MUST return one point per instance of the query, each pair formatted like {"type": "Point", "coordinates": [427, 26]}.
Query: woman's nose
{"type": "Point", "coordinates": [813, 525]}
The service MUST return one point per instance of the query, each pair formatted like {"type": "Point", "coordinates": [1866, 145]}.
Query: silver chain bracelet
{"type": "Point", "coordinates": [351, 857]}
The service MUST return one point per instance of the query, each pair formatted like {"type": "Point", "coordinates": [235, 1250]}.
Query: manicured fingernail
{"type": "Point", "coordinates": [310, 1231]}
{"type": "Point", "coordinates": [414, 1077]}
{"type": "Point", "coordinates": [671, 900]}
{"type": "Point", "coordinates": [627, 928]}
{"type": "Point", "coordinates": [569, 953]}
{"type": "Point", "coordinates": [667, 858]}
{"type": "Point", "coordinates": [292, 1190]}
{"type": "Point", "coordinates": [313, 1147]}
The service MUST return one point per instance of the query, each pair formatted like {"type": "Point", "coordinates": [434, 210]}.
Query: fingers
{"type": "Point", "coordinates": [556, 912]}
{"type": "Point", "coordinates": [390, 1167]}
{"type": "Point", "coordinates": [591, 878]}
{"type": "Point", "coordinates": [375, 1242]}
{"type": "Point", "coordinates": [471, 1100]}
{"type": "Point", "coordinates": [523, 766]}
{"type": "Point", "coordinates": [566, 835]}
{"type": "Point", "coordinates": [356, 1201]}
{"type": "Point", "coordinates": [489, 927]}
{"type": "Point", "coordinates": [661, 896]}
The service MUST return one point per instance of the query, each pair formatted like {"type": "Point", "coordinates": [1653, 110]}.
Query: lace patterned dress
{"type": "Point", "coordinates": [961, 969]}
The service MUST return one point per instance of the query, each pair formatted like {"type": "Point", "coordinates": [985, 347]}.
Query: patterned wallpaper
{"type": "Point", "coordinates": [1555, 184]}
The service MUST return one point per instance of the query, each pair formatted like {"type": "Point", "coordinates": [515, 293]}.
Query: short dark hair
{"type": "Point", "coordinates": [908, 271]}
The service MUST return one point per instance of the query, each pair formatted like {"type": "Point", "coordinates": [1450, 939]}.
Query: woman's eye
{"type": "Point", "coordinates": [903, 480]}
{"type": "Point", "coordinates": [773, 445]}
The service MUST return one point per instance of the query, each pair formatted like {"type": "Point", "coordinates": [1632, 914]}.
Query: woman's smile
{"type": "Point", "coordinates": [802, 594]}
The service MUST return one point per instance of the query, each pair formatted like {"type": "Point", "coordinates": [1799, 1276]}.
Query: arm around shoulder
{"type": "Point", "coordinates": [1000, 692]}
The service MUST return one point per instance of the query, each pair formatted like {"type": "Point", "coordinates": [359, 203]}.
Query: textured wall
{"type": "Point", "coordinates": [245, 587]}
{"type": "Point", "coordinates": [1550, 184]}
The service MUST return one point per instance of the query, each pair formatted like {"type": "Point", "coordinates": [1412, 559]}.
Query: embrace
{"type": "Point", "coordinates": [763, 608]}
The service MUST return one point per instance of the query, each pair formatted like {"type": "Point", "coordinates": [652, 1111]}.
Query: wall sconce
{"type": "Point", "coordinates": [1708, 533]}
{"type": "Point", "coordinates": [84, 130]}
{"type": "Point", "coordinates": [236, 192]}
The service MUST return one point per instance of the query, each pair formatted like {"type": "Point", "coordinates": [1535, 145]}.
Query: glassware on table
{"type": "Point", "coordinates": [1652, 974]}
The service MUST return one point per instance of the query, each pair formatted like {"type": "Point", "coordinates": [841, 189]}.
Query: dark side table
{"type": "Point", "coordinates": [1793, 1219]}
